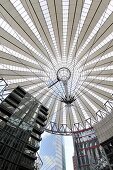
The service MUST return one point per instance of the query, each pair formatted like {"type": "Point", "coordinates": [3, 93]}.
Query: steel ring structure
{"type": "Point", "coordinates": [38, 38]}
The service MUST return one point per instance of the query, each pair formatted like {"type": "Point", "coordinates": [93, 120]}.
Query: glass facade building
{"type": "Point", "coordinates": [52, 152]}
{"type": "Point", "coordinates": [88, 154]}
{"type": "Point", "coordinates": [22, 121]}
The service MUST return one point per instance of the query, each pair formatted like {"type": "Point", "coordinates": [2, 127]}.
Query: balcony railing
{"type": "Point", "coordinates": [33, 145]}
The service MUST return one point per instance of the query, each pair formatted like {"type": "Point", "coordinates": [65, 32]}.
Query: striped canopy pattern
{"type": "Point", "coordinates": [38, 37]}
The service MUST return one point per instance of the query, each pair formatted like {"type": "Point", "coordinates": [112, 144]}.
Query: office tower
{"type": "Point", "coordinates": [52, 152]}
{"type": "Point", "coordinates": [88, 154]}
{"type": "Point", "coordinates": [22, 119]}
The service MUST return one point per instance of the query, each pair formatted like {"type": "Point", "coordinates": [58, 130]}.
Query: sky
{"type": "Point", "coordinates": [69, 151]}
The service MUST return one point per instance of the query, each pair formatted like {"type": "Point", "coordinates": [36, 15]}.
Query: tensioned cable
{"type": "Point", "coordinates": [97, 62]}
{"type": "Point", "coordinates": [57, 26]}
{"type": "Point", "coordinates": [76, 50]}
{"type": "Point", "coordinates": [97, 83]}
{"type": "Point", "coordinates": [82, 39]}
{"type": "Point", "coordinates": [90, 24]}
{"type": "Point", "coordinates": [89, 50]}
{"type": "Point", "coordinates": [72, 25]}
{"type": "Point", "coordinates": [44, 42]}
{"type": "Point", "coordinates": [34, 58]}
{"type": "Point", "coordinates": [26, 71]}
{"type": "Point", "coordinates": [101, 93]}
{"type": "Point", "coordinates": [79, 113]}
{"type": "Point", "coordinates": [54, 113]}
{"type": "Point", "coordinates": [93, 87]}
{"type": "Point", "coordinates": [28, 68]}
{"type": "Point", "coordinates": [42, 29]}
{"type": "Point", "coordinates": [102, 53]}
{"type": "Point", "coordinates": [97, 102]}
{"type": "Point", "coordinates": [51, 48]}
{"type": "Point", "coordinates": [16, 58]}
{"type": "Point", "coordinates": [19, 38]}
{"type": "Point", "coordinates": [35, 91]}
{"type": "Point", "coordinates": [32, 89]}
{"type": "Point", "coordinates": [87, 108]}
{"type": "Point", "coordinates": [94, 67]}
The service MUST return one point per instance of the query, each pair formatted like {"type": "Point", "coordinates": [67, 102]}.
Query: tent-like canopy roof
{"type": "Point", "coordinates": [39, 37]}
